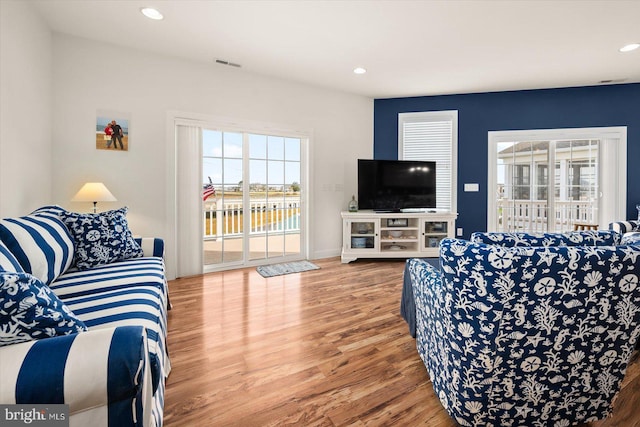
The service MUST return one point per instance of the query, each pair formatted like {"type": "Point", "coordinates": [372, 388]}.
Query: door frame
{"type": "Point", "coordinates": [229, 124]}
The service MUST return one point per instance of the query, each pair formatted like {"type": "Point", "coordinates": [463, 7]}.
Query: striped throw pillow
{"type": "Point", "coordinates": [8, 262]}
{"type": "Point", "coordinates": [41, 244]}
{"type": "Point", "coordinates": [55, 210]}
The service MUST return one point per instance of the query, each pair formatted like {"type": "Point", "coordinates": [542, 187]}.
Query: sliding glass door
{"type": "Point", "coordinates": [551, 180]}
{"type": "Point", "coordinates": [252, 191]}
{"type": "Point", "coordinates": [222, 197]}
{"type": "Point", "coordinates": [274, 186]}
{"type": "Point", "coordinates": [547, 185]}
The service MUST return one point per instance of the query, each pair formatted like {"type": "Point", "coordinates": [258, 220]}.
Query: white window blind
{"type": "Point", "coordinates": [432, 136]}
{"type": "Point", "coordinates": [188, 201]}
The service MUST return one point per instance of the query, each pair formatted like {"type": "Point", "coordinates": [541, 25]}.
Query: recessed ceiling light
{"type": "Point", "coordinates": [359, 70]}
{"type": "Point", "coordinates": [629, 47]}
{"type": "Point", "coordinates": [151, 13]}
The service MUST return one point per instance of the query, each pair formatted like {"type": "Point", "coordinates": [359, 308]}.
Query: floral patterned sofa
{"type": "Point", "coordinates": [572, 238]}
{"type": "Point", "coordinates": [83, 317]}
{"type": "Point", "coordinates": [527, 335]}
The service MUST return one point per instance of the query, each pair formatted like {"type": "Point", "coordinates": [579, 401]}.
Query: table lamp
{"type": "Point", "coordinates": [94, 192]}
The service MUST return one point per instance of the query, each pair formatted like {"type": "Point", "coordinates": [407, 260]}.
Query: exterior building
{"type": "Point", "coordinates": [527, 191]}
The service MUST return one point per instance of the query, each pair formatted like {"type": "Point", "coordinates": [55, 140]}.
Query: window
{"type": "Point", "coordinates": [432, 136]}
{"type": "Point", "coordinates": [521, 182]}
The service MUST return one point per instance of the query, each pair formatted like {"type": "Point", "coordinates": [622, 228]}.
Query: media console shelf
{"type": "Point", "coordinates": [368, 234]}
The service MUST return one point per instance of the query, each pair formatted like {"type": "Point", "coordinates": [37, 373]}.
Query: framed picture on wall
{"type": "Point", "coordinates": [112, 130]}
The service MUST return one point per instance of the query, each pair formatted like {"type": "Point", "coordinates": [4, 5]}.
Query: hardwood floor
{"type": "Point", "coordinates": [322, 348]}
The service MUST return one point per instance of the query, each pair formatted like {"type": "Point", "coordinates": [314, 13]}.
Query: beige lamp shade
{"type": "Point", "coordinates": [94, 192]}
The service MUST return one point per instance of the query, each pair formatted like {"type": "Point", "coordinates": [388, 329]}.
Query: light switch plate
{"type": "Point", "coordinates": [471, 187]}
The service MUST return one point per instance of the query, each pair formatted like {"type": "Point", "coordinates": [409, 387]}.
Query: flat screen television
{"type": "Point", "coordinates": [393, 185]}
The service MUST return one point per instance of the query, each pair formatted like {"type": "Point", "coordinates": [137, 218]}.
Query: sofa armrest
{"type": "Point", "coordinates": [426, 284]}
{"type": "Point", "coordinates": [151, 246]}
{"type": "Point", "coordinates": [95, 368]}
{"type": "Point", "coordinates": [455, 328]}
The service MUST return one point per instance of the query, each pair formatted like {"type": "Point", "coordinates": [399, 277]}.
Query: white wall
{"type": "Point", "coordinates": [88, 76]}
{"type": "Point", "coordinates": [25, 109]}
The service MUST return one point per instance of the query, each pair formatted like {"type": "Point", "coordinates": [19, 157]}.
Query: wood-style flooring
{"type": "Point", "coordinates": [321, 348]}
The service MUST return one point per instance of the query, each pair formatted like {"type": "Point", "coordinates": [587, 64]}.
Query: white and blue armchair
{"type": "Point", "coordinates": [526, 335]}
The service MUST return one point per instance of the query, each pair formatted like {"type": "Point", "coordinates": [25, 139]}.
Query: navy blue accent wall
{"type": "Point", "coordinates": [593, 106]}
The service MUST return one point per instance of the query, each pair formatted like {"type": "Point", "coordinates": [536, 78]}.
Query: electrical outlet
{"type": "Point", "coordinates": [459, 232]}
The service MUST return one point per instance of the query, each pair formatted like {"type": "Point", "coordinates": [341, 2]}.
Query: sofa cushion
{"type": "Point", "coordinates": [29, 310]}
{"type": "Point", "coordinates": [101, 238]}
{"type": "Point", "coordinates": [41, 243]}
{"type": "Point", "coordinates": [8, 262]}
{"type": "Point", "coordinates": [131, 292]}
{"type": "Point", "coordinates": [114, 276]}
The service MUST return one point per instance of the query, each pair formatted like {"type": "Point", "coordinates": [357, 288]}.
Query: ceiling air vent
{"type": "Point", "coordinates": [230, 64]}
{"type": "Point", "coordinates": [606, 82]}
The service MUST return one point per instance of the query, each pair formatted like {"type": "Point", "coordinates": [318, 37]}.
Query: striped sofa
{"type": "Point", "coordinates": [111, 374]}
{"type": "Point", "coordinates": [625, 226]}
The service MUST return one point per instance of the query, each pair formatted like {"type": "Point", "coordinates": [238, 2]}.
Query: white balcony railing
{"type": "Point", "coordinates": [532, 215]}
{"type": "Point", "coordinates": [225, 218]}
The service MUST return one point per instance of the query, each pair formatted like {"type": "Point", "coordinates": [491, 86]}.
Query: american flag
{"type": "Point", "coordinates": [208, 191]}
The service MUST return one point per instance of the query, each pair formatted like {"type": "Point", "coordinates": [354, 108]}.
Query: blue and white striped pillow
{"type": "Point", "coordinates": [41, 244]}
{"type": "Point", "coordinates": [8, 261]}
{"type": "Point", "coordinates": [55, 210]}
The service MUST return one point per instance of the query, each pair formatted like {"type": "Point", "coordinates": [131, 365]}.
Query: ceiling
{"type": "Point", "coordinates": [409, 48]}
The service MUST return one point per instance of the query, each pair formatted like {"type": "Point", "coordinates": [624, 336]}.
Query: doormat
{"type": "Point", "coordinates": [286, 268]}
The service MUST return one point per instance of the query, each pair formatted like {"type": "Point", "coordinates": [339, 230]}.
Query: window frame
{"type": "Point", "coordinates": [200, 120]}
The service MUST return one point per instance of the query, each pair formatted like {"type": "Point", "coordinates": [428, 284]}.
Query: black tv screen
{"type": "Point", "coordinates": [393, 185]}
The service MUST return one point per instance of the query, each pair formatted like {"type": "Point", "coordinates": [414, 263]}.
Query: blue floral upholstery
{"type": "Point", "coordinates": [30, 311]}
{"type": "Point", "coordinates": [631, 238]}
{"type": "Point", "coordinates": [574, 238]}
{"type": "Point", "coordinates": [101, 238]}
{"type": "Point", "coordinates": [535, 336]}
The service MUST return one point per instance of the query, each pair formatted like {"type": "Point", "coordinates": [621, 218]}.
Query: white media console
{"type": "Point", "coordinates": [369, 234]}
